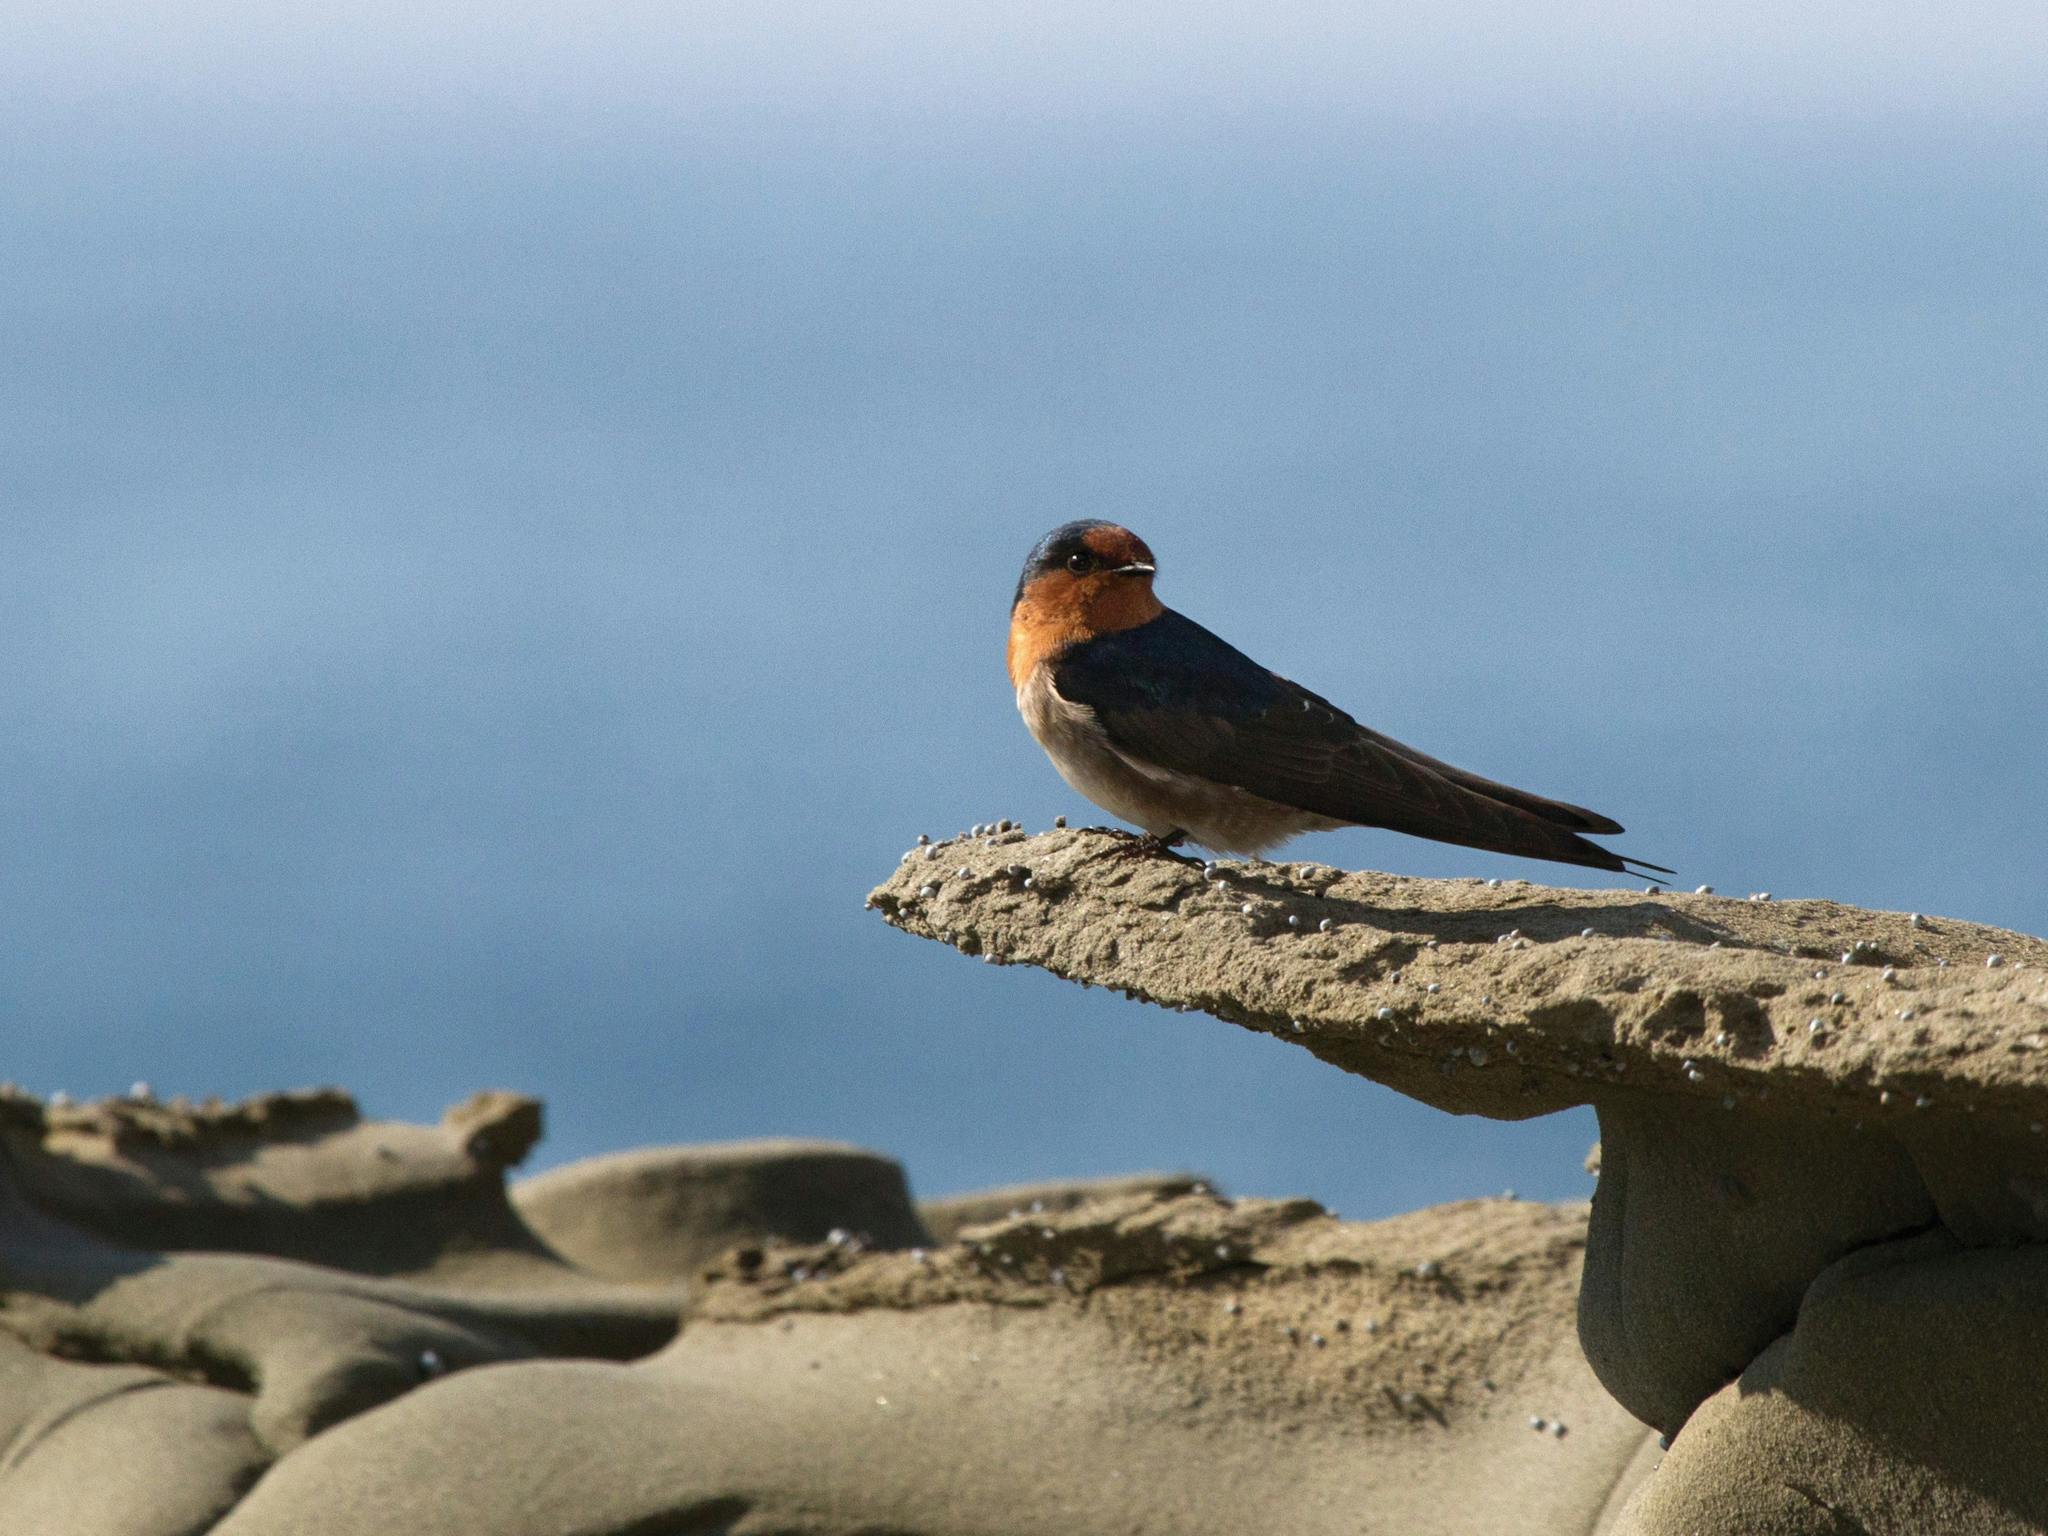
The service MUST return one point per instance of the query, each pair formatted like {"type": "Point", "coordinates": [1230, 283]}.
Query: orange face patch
{"type": "Point", "coordinates": [1059, 608]}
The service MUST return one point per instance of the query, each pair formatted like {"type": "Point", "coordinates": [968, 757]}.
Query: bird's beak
{"type": "Point", "coordinates": [1135, 568]}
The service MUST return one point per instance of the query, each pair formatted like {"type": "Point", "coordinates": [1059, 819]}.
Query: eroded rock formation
{"type": "Point", "coordinates": [1124, 1355]}
{"type": "Point", "coordinates": [1783, 1087]}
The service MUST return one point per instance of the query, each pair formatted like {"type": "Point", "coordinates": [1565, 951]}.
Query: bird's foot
{"type": "Point", "coordinates": [1148, 845]}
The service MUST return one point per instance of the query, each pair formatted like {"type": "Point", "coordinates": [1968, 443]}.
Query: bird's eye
{"type": "Point", "coordinates": [1079, 561]}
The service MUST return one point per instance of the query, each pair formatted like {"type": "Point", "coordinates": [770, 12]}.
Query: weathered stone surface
{"type": "Point", "coordinates": [660, 1212]}
{"type": "Point", "coordinates": [1182, 1365]}
{"type": "Point", "coordinates": [117, 1450]}
{"type": "Point", "coordinates": [1906, 1400]}
{"type": "Point", "coordinates": [945, 1217]}
{"type": "Point", "coordinates": [1703, 997]}
{"type": "Point", "coordinates": [292, 1175]}
{"type": "Point", "coordinates": [105, 1213]}
{"type": "Point", "coordinates": [1779, 1083]}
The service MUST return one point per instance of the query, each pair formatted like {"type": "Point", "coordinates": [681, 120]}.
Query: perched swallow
{"type": "Point", "coordinates": [1165, 725]}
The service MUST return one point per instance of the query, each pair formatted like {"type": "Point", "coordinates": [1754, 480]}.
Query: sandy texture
{"type": "Point", "coordinates": [1647, 1001]}
{"type": "Point", "coordinates": [116, 1450]}
{"type": "Point", "coordinates": [94, 1201]}
{"type": "Point", "coordinates": [1139, 1364]}
{"type": "Point", "coordinates": [661, 1212]}
{"type": "Point", "coordinates": [1121, 1355]}
{"type": "Point", "coordinates": [1781, 1085]}
{"type": "Point", "coordinates": [1905, 1400]}
{"type": "Point", "coordinates": [945, 1218]}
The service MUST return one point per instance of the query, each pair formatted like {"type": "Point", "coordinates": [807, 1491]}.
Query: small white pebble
{"type": "Point", "coordinates": [1839, 998]}
{"type": "Point", "coordinates": [431, 1363]}
{"type": "Point", "coordinates": [1703, 890]}
{"type": "Point", "coordinates": [1889, 973]}
{"type": "Point", "coordinates": [1992, 962]}
{"type": "Point", "coordinates": [1921, 1101]}
{"type": "Point", "coordinates": [1537, 1424]}
{"type": "Point", "coordinates": [1433, 987]}
{"type": "Point", "coordinates": [1585, 933]}
{"type": "Point", "coordinates": [140, 1091]}
{"type": "Point", "coordinates": [1917, 920]}
{"type": "Point", "coordinates": [1293, 921]}
{"type": "Point", "coordinates": [1492, 883]}
{"type": "Point", "coordinates": [1247, 909]}
{"type": "Point", "coordinates": [1384, 1014]}
{"type": "Point", "coordinates": [1814, 1026]}
{"type": "Point", "coordinates": [927, 891]}
{"type": "Point", "coordinates": [1906, 1013]}
{"type": "Point", "coordinates": [1323, 926]}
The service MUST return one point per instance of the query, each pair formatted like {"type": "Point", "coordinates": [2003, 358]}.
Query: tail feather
{"type": "Point", "coordinates": [1459, 814]}
{"type": "Point", "coordinates": [1559, 812]}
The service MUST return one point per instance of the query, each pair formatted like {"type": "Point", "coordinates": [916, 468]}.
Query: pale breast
{"type": "Point", "coordinates": [1159, 799]}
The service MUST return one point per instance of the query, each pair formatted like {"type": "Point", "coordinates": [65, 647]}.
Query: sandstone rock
{"type": "Point", "coordinates": [1180, 1365]}
{"type": "Point", "coordinates": [1907, 1399]}
{"type": "Point", "coordinates": [944, 1218]}
{"type": "Point", "coordinates": [660, 1212]}
{"type": "Point", "coordinates": [117, 1450]}
{"type": "Point", "coordinates": [97, 1203]}
{"type": "Point", "coordinates": [293, 1175]}
{"type": "Point", "coordinates": [1779, 1082]}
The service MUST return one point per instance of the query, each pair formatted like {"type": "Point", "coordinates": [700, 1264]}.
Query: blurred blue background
{"type": "Point", "coordinates": [510, 513]}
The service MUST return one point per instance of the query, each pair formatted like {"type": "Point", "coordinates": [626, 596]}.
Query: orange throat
{"type": "Point", "coordinates": [1057, 612]}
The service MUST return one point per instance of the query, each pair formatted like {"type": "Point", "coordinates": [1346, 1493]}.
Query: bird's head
{"type": "Point", "coordinates": [1083, 579]}
{"type": "Point", "coordinates": [1098, 572]}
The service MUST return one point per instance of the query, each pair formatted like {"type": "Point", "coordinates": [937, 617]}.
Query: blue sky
{"type": "Point", "coordinates": [510, 519]}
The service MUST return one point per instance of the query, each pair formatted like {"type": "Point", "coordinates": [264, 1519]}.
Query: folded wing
{"type": "Point", "coordinates": [1171, 693]}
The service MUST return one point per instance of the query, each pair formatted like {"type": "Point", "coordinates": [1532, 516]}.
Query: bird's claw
{"type": "Point", "coordinates": [1146, 845]}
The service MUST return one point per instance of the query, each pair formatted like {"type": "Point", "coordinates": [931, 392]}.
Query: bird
{"type": "Point", "coordinates": [1173, 729]}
